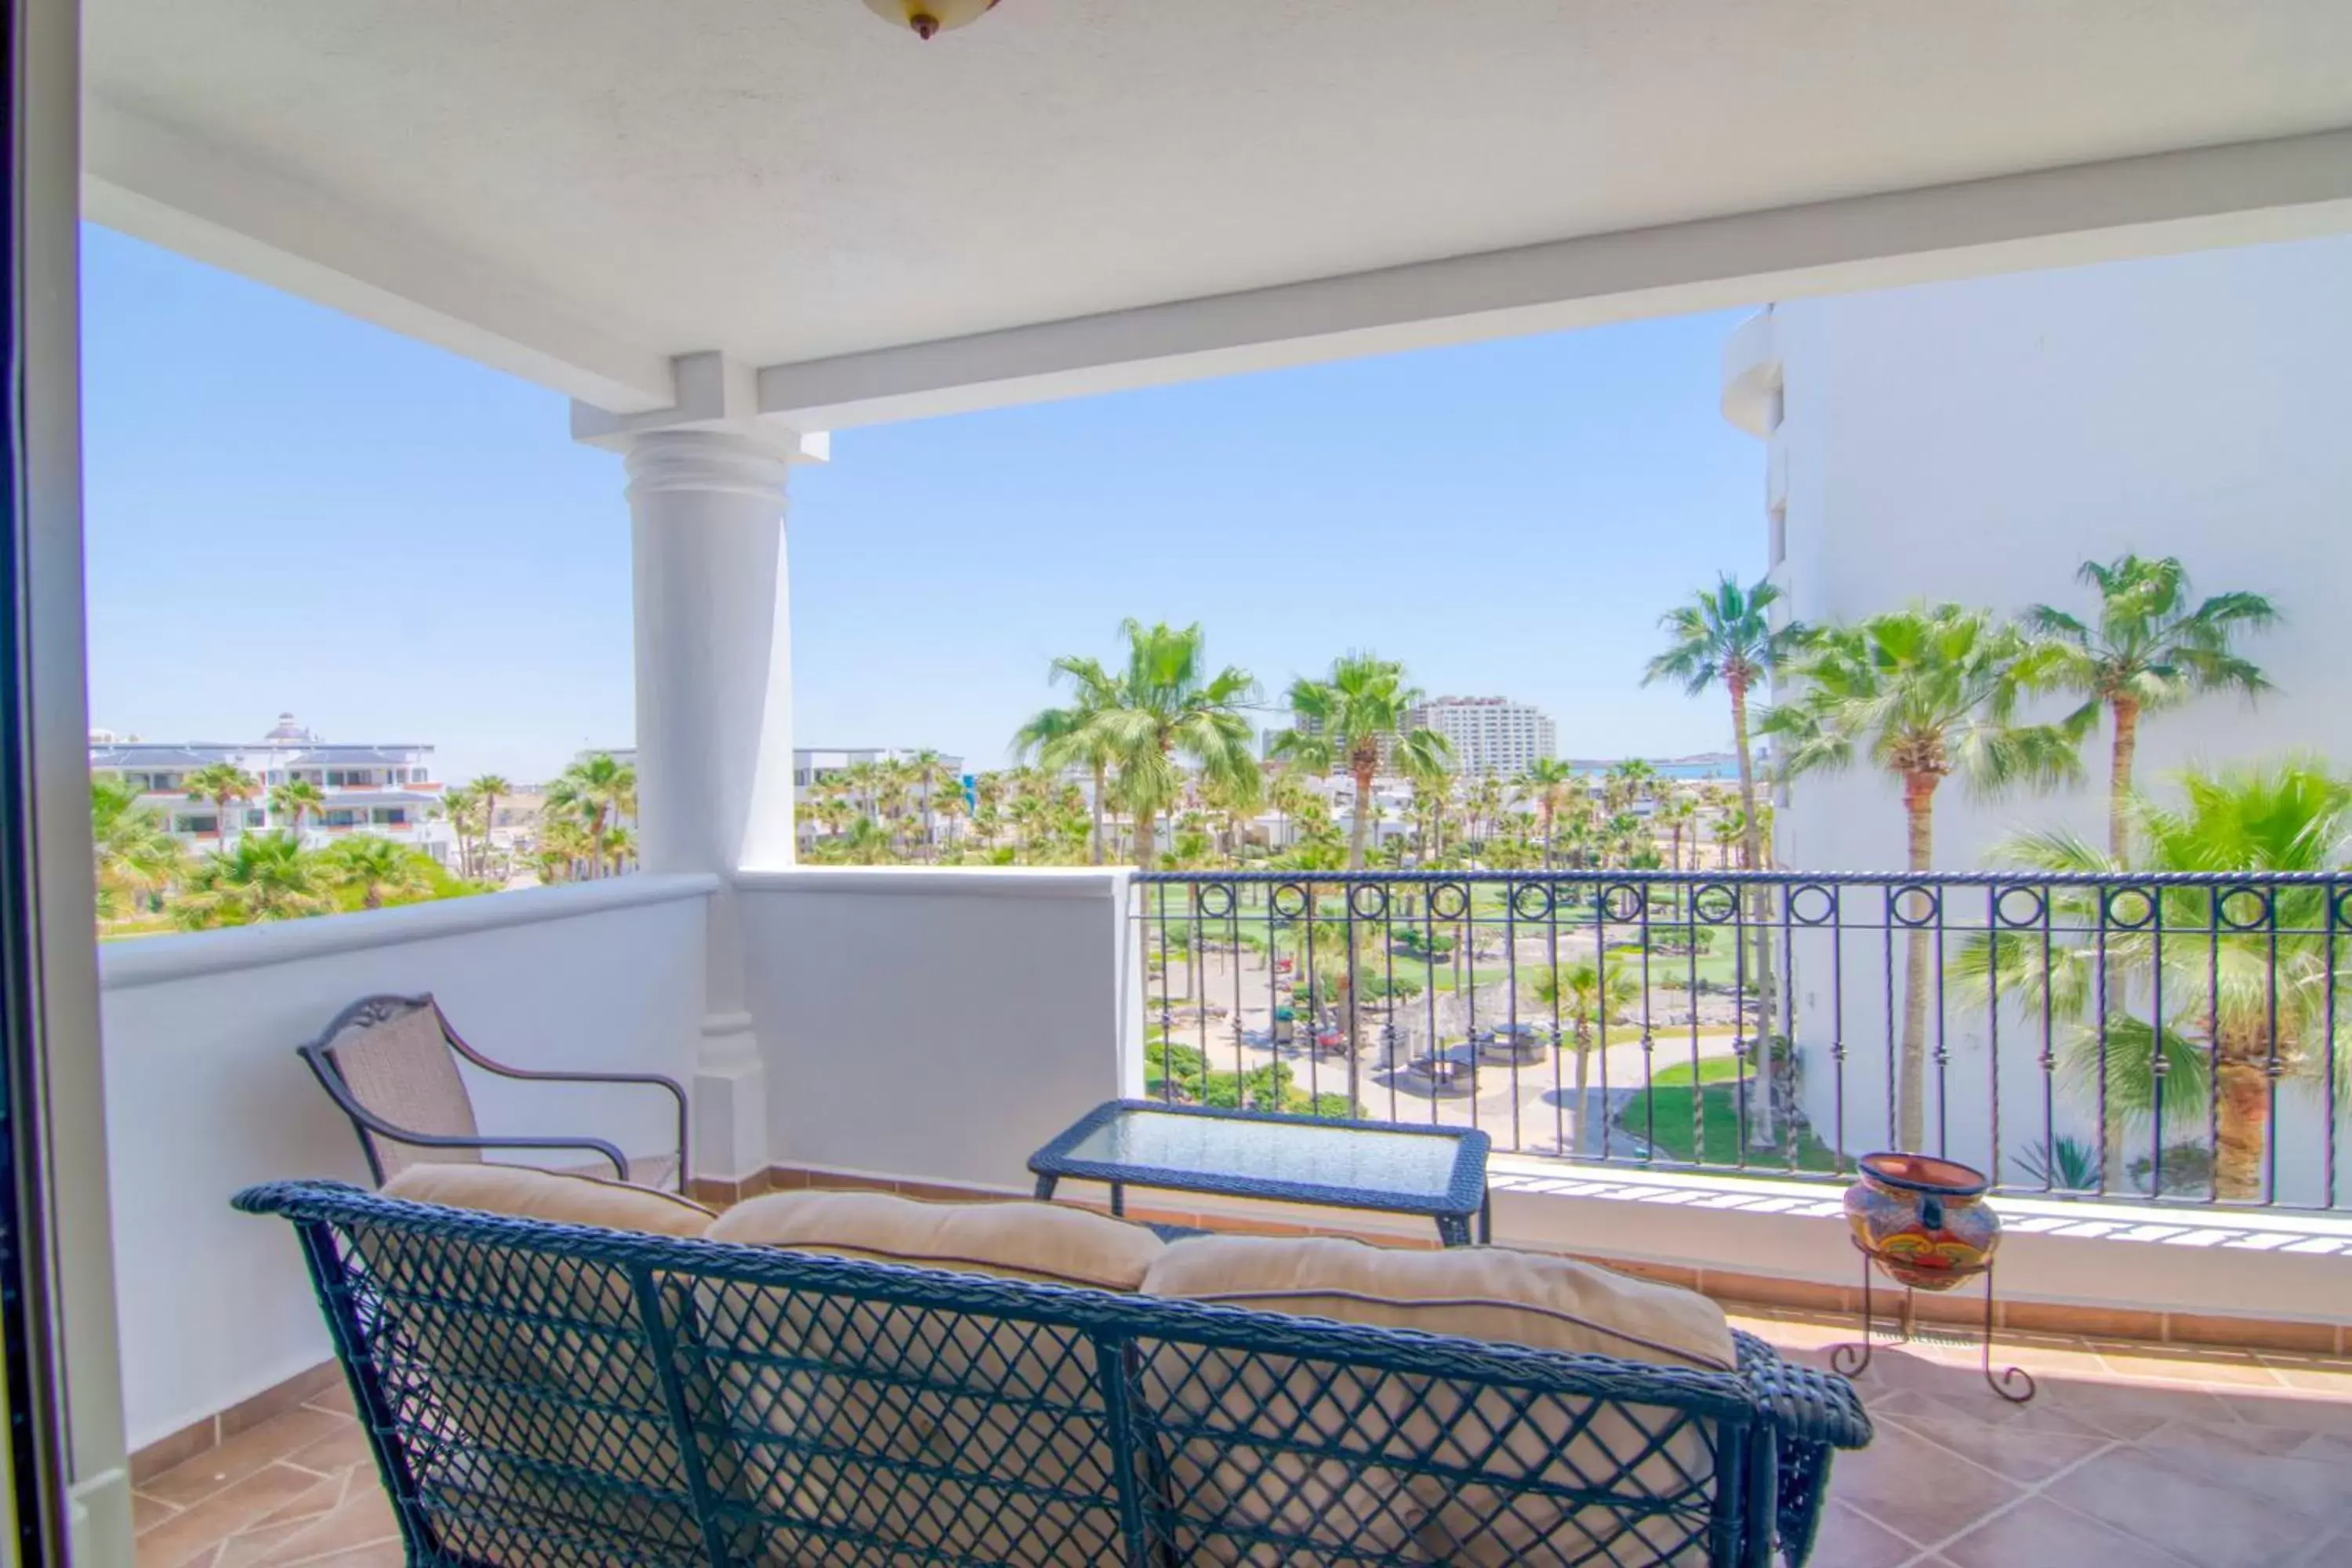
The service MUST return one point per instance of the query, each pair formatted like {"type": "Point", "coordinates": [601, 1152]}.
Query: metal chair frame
{"type": "Point", "coordinates": [368, 1011]}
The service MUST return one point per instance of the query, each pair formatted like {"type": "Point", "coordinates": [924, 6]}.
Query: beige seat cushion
{"type": "Point", "coordinates": [1494, 1294]}
{"type": "Point", "coordinates": [518, 1370]}
{"type": "Point", "coordinates": [1010, 1411]}
{"type": "Point", "coordinates": [1048, 1243]}
{"type": "Point", "coordinates": [564, 1197]}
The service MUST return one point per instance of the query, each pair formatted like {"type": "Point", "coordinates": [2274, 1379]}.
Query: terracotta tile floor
{"type": "Point", "coordinates": [2133, 1456]}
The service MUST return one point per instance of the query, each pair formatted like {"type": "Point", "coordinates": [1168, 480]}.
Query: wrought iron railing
{"type": "Point", "coordinates": [2170, 1038]}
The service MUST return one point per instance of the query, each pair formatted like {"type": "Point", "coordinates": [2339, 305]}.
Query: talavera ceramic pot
{"type": "Point", "coordinates": [1922, 1219]}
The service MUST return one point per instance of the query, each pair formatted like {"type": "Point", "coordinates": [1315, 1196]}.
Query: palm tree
{"type": "Point", "coordinates": [461, 807]}
{"type": "Point", "coordinates": [1484, 805]}
{"type": "Point", "coordinates": [1727, 635]}
{"type": "Point", "coordinates": [562, 845]}
{"type": "Point", "coordinates": [1433, 799]}
{"type": "Point", "coordinates": [135, 855]}
{"type": "Point", "coordinates": [1062, 738]}
{"type": "Point", "coordinates": [1291, 797]}
{"type": "Point", "coordinates": [1924, 693]}
{"type": "Point", "coordinates": [1676, 812]}
{"type": "Point", "coordinates": [1551, 784]}
{"type": "Point", "coordinates": [2155, 647]}
{"type": "Point", "coordinates": [223, 783]}
{"type": "Point", "coordinates": [2250, 1003]}
{"type": "Point", "coordinates": [620, 848]}
{"type": "Point", "coordinates": [376, 868]}
{"type": "Point", "coordinates": [1578, 996]}
{"type": "Point", "coordinates": [262, 877]}
{"type": "Point", "coordinates": [488, 788]}
{"type": "Point", "coordinates": [865, 843]}
{"type": "Point", "coordinates": [933, 780]}
{"type": "Point", "coordinates": [596, 789]}
{"type": "Point", "coordinates": [1340, 723]}
{"type": "Point", "coordinates": [293, 801]}
{"type": "Point", "coordinates": [1163, 709]}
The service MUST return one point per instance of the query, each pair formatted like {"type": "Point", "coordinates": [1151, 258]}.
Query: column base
{"type": "Point", "coordinates": [731, 1101]}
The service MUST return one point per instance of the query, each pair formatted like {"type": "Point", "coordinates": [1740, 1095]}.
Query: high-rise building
{"type": "Point", "coordinates": [1490, 734]}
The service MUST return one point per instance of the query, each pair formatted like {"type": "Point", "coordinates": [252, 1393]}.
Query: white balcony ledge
{"type": "Point", "coordinates": [154, 960]}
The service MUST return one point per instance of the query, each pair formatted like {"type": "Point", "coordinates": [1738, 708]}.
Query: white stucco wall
{"type": "Point", "coordinates": [938, 1025]}
{"type": "Point", "coordinates": [1976, 441]}
{"type": "Point", "coordinates": [205, 1094]}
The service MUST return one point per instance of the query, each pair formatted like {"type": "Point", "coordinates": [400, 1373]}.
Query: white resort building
{"type": "Point", "coordinates": [384, 788]}
{"type": "Point", "coordinates": [1490, 734]}
{"type": "Point", "coordinates": [1976, 440]}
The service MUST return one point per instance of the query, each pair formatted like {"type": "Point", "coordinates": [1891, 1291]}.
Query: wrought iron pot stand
{"type": "Point", "coordinates": [2013, 1384]}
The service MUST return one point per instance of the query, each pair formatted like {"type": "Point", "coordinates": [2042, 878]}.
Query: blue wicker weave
{"type": "Point", "coordinates": [548, 1396]}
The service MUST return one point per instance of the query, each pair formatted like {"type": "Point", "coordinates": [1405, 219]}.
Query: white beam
{"type": "Point", "coordinates": [183, 194]}
{"type": "Point", "coordinates": [2290, 188]}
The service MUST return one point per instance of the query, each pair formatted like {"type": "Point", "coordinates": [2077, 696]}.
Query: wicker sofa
{"type": "Point", "coordinates": [546, 1393]}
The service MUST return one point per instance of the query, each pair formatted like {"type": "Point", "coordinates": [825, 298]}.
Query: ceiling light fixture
{"type": "Point", "coordinates": [927, 18]}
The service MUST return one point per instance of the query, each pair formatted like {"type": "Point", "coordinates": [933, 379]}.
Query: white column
{"type": "Point", "coordinates": [715, 723]}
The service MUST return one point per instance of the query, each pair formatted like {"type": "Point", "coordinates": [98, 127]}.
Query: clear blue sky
{"type": "Point", "coordinates": [291, 509]}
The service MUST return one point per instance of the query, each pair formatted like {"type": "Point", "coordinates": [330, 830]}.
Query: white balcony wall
{"type": "Point", "coordinates": [205, 1094]}
{"type": "Point", "coordinates": [938, 1025]}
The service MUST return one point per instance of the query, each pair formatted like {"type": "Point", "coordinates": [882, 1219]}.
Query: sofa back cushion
{"type": "Point", "coordinates": [548, 1427]}
{"type": "Point", "coordinates": [928, 1430]}
{"type": "Point", "coordinates": [1268, 1450]}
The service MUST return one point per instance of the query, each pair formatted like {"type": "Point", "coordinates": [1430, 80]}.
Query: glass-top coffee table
{"type": "Point", "coordinates": [1437, 1172]}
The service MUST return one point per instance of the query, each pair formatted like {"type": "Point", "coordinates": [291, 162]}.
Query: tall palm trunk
{"type": "Point", "coordinates": [2119, 775]}
{"type": "Point", "coordinates": [1361, 818]}
{"type": "Point", "coordinates": [1095, 814]}
{"type": "Point", "coordinates": [2244, 1115]}
{"type": "Point", "coordinates": [1759, 909]}
{"type": "Point", "coordinates": [1147, 842]}
{"type": "Point", "coordinates": [1911, 1110]}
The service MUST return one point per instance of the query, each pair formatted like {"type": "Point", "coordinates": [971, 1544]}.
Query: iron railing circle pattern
{"type": "Point", "coordinates": [1625, 902]}
{"type": "Point", "coordinates": [2340, 881]}
{"type": "Point", "coordinates": [2112, 902]}
{"type": "Point", "coordinates": [2005, 913]}
{"type": "Point", "coordinates": [1449, 900]}
{"type": "Point", "coordinates": [1431, 970]}
{"type": "Point", "coordinates": [1821, 890]}
{"type": "Point", "coordinates": [2265, 908]}
{"type": "Point", "coordinates": [1914, 905]}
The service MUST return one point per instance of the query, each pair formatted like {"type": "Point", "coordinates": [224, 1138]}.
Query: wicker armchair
{"type": "Point", "coordinates": [390, 1063]}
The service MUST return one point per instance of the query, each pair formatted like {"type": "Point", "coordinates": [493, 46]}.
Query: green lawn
{"type": "Point", "coordinates": [1660, 1114]}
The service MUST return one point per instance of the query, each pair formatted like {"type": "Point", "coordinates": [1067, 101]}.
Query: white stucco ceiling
{"type": "Point", "coordinates": [789, 179]}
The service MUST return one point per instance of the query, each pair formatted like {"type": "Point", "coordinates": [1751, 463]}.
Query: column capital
{"type": "Point", "coordinates": [712, 394]}
{"type": "Point", "coordinates": [707, 462]}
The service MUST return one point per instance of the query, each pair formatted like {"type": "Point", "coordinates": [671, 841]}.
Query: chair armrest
{"type": "Point", "coordinates": [1802, 1402]}
{"type": "Point", "coordinates": [639, 1080]}
{"type": "Point", "coordinates": [1810, 1415]}
{"type": "Point", "coordinates": [384, 1129]}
